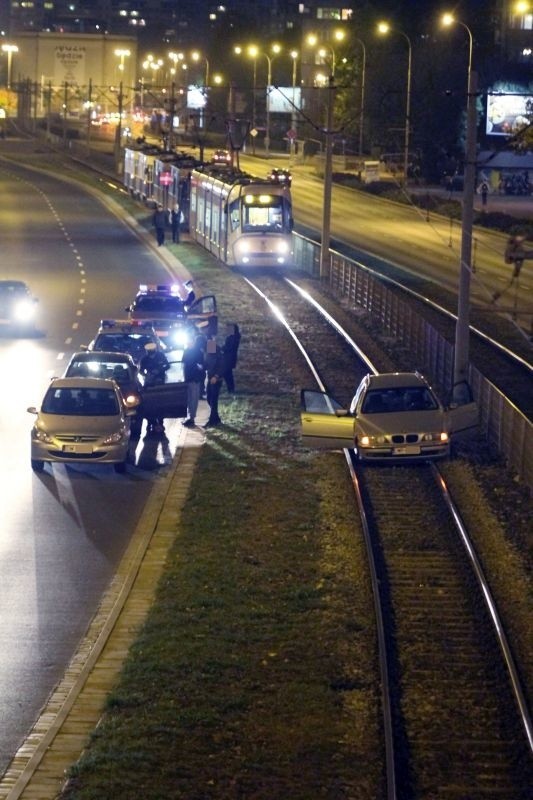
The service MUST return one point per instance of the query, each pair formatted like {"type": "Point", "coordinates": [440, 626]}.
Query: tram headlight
{"type": "Point", "coordinates": [282, 247]}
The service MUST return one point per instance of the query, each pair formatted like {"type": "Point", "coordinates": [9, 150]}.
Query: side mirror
{"type": "Point", "coordinates": [32, 410]}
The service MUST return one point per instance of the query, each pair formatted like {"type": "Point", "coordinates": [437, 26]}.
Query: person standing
{"type": "Point", "coordinates": [214, 361]}
{"type": "Point", "coordinates": [153, 366]}
{"type": "Point", "coordinates": [159, 221]}
{"type": "Point", "coordinates": [230, 349]}
{"type": "Point", "coordinates": [175, 216]}
{"type": "Point", "coordinates": [194, 376]}
{"type": "Point", "coordinates": [484, 194]}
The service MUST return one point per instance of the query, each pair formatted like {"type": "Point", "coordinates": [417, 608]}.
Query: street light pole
{"type": "Point", "coordinates": [326, 215]}
{"type": "Point", "coordinates": [385, 28]}
{"type": "Point", "coordinates": [462, 328]}
{"type": "Point", "coordinates": [407, 110]}
{"type": "Point", "coordinates": [362, 101]}
{"type": "Point", "coordinates": [294, 116]}
{"type": "Point", "coordinates": [267, 98]}
{"type": "Point", "coordinates": [9, 49]}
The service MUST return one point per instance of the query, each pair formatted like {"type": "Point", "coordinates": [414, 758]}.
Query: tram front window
{"type": "Point", "coordinates": [262, 217]}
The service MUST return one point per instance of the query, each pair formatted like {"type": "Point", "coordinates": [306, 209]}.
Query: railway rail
{"type": "Point", "coordinates": [455, 717]}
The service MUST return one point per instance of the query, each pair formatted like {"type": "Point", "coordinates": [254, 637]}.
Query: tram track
{"type": "Point", "coordinates": [458, 728]}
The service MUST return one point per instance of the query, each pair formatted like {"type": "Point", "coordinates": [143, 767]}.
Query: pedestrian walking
{"type": "Point", "coordinates": [230, 350]}
{"type": "Point", "coordinates": [175, 216]}
{"type": "Point", "coordinates": [484, 194]}
{"type": "Point", "coordinates": [194, 376]}
{"type": "Point", "coordinates": [214, 361]}
{"type": "Point", "coordinates": [159, 221]}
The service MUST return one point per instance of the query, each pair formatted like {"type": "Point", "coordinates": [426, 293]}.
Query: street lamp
{"type": "Point", "coordinates": [196, 56]}
{"type": "Point", "coordinates": [461, 354]}
{"type": "Point", "coordinates": [254, 53]}
{"type": "Point", "coordinates": [384, 28]}
{"type": "Point", "coordinates": [9, 49]}
{"type": "Point", "coordinates": [294, 116]}
{"type": "Point", "coordinates": [313, 41]}
{"type": "Point", "coordinates": [329, 82]}
{"type": "Point", "coordinates": [122, 53]}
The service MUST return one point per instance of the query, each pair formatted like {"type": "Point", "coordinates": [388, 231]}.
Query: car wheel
{"type": "Point", "coordinates": [36, 465]}
{"type": "Point", "coordinates": [120, 467]}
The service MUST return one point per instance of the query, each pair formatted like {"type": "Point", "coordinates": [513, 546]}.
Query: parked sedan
{"type": "Point", "coordinates": [393, 417]}
{"type": "Point", "coordinates": [81, 420]}
{"type": "Point", "coordinates": [119, 367]}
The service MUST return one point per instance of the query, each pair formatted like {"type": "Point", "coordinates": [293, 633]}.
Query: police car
{"type": "Point", "coordinates": [175, 312]}
{"type": "Point", "coordinates": [125, 336]}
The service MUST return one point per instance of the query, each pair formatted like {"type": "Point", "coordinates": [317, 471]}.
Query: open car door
{"type": "Point", "coordinates": [203, 313]}
{"type": "Point", "coordinates": [166, 400]}
{"type": "Point", "coordinates": [463, 413]}
{"type": "Point", "coordinates": [326, 425]}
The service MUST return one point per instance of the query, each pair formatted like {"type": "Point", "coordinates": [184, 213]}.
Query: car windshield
{"type": "Point", "coordinates": [81, 402]}
{"type": "Point", "coordinates": [409, 398]}
{"type": "Point", "coordinates": [165, 305]}
{"type": "Point", "coordinates": [10, 291]}
{"type": "Point", "coordinates": [121, 373]}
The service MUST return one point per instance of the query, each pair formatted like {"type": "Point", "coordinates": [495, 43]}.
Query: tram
{"type": "Point", "coordinates": [158, 176]}
{"type": "Point", "coordinates": [243, 220]}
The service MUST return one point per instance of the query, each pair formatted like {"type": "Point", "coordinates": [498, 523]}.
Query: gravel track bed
{"type": "Point", "coordinates": [458, 717]}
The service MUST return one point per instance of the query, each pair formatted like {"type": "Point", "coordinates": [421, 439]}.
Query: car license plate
{"type": "Point", "coordinates": [82, 449]}
{"type": "Point", "coordinates": [412, 450]}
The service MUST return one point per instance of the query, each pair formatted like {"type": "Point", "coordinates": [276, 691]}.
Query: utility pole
{"type": "Point", "coordinates": [118, 133]}
{"type": "Point", "coordinates": [326, 216]}
{"type": "Point", "coordinates": [462, 331]}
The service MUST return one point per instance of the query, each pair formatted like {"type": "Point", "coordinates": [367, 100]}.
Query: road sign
{"type": "Point", "coordinates": [254, 132]}
{"type": "Point", "coordinates": [291, 134]}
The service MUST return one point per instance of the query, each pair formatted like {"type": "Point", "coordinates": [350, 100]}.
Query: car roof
{"type": "Point", "coordinates": [103, 355]}
{"type": "Point", "coordinates": [13, 285]}
{"type": "Point", "coordinates": [82, 383]}
{"type": "Point", "coordinates": [126, 326]}
{"type": "Point", "coordinates": [392, 380]}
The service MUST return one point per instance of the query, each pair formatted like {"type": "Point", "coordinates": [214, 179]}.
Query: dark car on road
{"type": "Point", "coordinates": [17, 307]}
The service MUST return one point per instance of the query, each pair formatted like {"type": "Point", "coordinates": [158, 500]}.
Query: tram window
{"type": "Point", "coordinates": [234, 215]}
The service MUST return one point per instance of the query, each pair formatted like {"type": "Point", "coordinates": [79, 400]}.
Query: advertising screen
{"type": "Point", "coordinates": [280, 100]}
{"type": "Point", "coordinates": [507, 113]}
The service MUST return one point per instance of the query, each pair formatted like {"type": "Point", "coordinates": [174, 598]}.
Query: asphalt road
{"type": "Point", "coordinates": [63, 532]}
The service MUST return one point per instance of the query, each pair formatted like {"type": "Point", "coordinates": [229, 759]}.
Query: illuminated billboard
{"type": "Point", "coordinates": [508, 113]}
{"type": "Point", "coordinates": [280, 100]}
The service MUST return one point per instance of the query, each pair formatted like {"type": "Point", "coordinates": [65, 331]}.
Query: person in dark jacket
{"type": "Point", "coordinates": [159, 221]}
{"type": "Point", "coordinates": [230, 349]}
{"type": "Point", "coordinates": [153, 366]}
{"type": "Point", "coordinates": [175, 218]}
{"type": "Point", "coordinates": [214, 362]}
{"type": "Point", "coordinates": [194, 376]}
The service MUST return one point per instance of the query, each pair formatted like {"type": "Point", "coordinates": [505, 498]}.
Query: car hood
{"type": "Point", "coordinates": [403, 422]}
{"type": "Point", "coordinates": [59, 424]}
